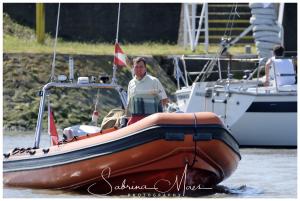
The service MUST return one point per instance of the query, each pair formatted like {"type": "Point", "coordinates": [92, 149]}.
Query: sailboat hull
{"type": "Point", "coordinates": [256, 118]}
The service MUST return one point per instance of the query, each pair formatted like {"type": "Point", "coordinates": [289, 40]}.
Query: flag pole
{"type": "Point", "coordinates": [113, 80]}
{"type": "Point", "coordinates": [118, 23]}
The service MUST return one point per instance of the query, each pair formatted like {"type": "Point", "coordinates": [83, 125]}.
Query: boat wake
{"type": "Point", "coordinates": [223, 191]}
{"type": "Point", "coordinates": [238, 191]}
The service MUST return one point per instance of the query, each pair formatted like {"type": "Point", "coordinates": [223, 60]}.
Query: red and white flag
{"type": "Point", "coordinates": [52, 128]}
{"type": "Point", "coordinates": [120, 57]}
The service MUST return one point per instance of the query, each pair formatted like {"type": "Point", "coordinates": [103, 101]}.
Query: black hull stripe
{"type": "Point", "coordinates": [273, 107]}
{"type": "Point", "coordinates": [167, 132]}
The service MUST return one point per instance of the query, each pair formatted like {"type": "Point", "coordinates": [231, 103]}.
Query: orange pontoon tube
{"type": "Point", "coordinates": [164, 152]}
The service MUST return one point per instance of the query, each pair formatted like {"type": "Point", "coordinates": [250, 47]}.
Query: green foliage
{"type": "Point", "coordinates": [21, 39]}
{"type": "Point", "coordinates": [24, 74]}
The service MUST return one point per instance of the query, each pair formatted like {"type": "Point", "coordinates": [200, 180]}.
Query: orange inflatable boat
{"type": "Point", "coordinates": [162, 153]}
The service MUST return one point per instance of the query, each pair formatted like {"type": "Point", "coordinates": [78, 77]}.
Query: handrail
{"type": "Point", "coordinates": [257, 79]}
{"type": "Point", "coordinates": [119, 89]}
{"type": "Point", "coordinates": [221, 58]}
{"type": "Point", "coordinates": [185, 72]}
{"type": "Point", "coordinates": [39, 121]}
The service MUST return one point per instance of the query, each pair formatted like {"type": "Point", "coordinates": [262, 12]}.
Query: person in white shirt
{"type": "Point", "coordinates": [277, 51]}
{"type": "Point", "coordinates": [143, 83]}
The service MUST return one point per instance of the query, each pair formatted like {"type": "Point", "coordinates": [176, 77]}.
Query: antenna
{"type": "Point", "coordinates": [118, 23]}
{"type": "Point", "coordinates": [113, 80]}
{"type": "Point", "coordinates": [71, 69]}
{"type": "Point", "coordinates": [55, 42]}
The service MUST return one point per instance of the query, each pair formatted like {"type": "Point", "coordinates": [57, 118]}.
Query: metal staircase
{"type": "Point", "coordinates": [208, 22]}
{"type": "Point", "coordinates": [219, 16]}
{"type": "Point", "coordinates": [194, 24]}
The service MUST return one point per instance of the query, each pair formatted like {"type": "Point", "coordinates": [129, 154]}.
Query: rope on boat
{"type": "Point", "coordinates": [209, 66]}
{"type": "Point", "coordinates": [32, 152]}
{"type": "Point", "coordinates": [225, 43]}
{"type": "Point", "coordinates": [75, 138]}
{"type": "Point", "coordinates": [195, 145]}
{"type": "Point", "coordinates": [6, 155]}
{"type": "Point", "coordinates": [95, 115]}
{"type": "Point", "coordinates": [230, 21]}
{"type": "Point", "coordinates": [55, 42]}
{"type": "Point", "coordinates": [46, 150]}
{"type": "Point", "coordinates": [17, 150]}
{"type": "Point", "coordinates": [64, 141]}
{"type": "Point", "coordinates": [22, 150]}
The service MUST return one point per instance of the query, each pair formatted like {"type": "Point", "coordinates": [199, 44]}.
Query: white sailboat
{"type": "Point", "coordinates": [257, 115]}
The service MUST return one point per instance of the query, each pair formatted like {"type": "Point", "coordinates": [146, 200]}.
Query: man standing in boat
{"type": "Point", "coordinates": [144, 84]}
{"type": "Point", "coordinates": [142, 81]}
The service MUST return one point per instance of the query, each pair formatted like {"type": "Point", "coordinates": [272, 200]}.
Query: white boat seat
{"type": "Point", "coordinates": [79, 130]}
{"type": "Point", "coordinates": [284, 72]}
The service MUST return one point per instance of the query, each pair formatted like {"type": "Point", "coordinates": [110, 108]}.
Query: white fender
{"type": "Point", "coordinates": [256, 21]}
{"type": "Point", "coordinates": [263, 11]}
{"type": "Point", "coordinates": [269, 28]}
{"type": "Point", "coordinates": [270, 39]}
{"type": "Point", "coordinates": [261, 5]}
{"type": "Point", "coordinates": [260, 34]}
{"type": "Point", "coordinates": [266, 45]}
{"type": "Point", "coordinates": [262, 16]}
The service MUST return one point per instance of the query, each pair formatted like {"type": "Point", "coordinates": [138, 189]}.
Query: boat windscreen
{"type": "Point", "coordinates": [144, 104]}
{"type": "Point", "coordinates": [73, 106]}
